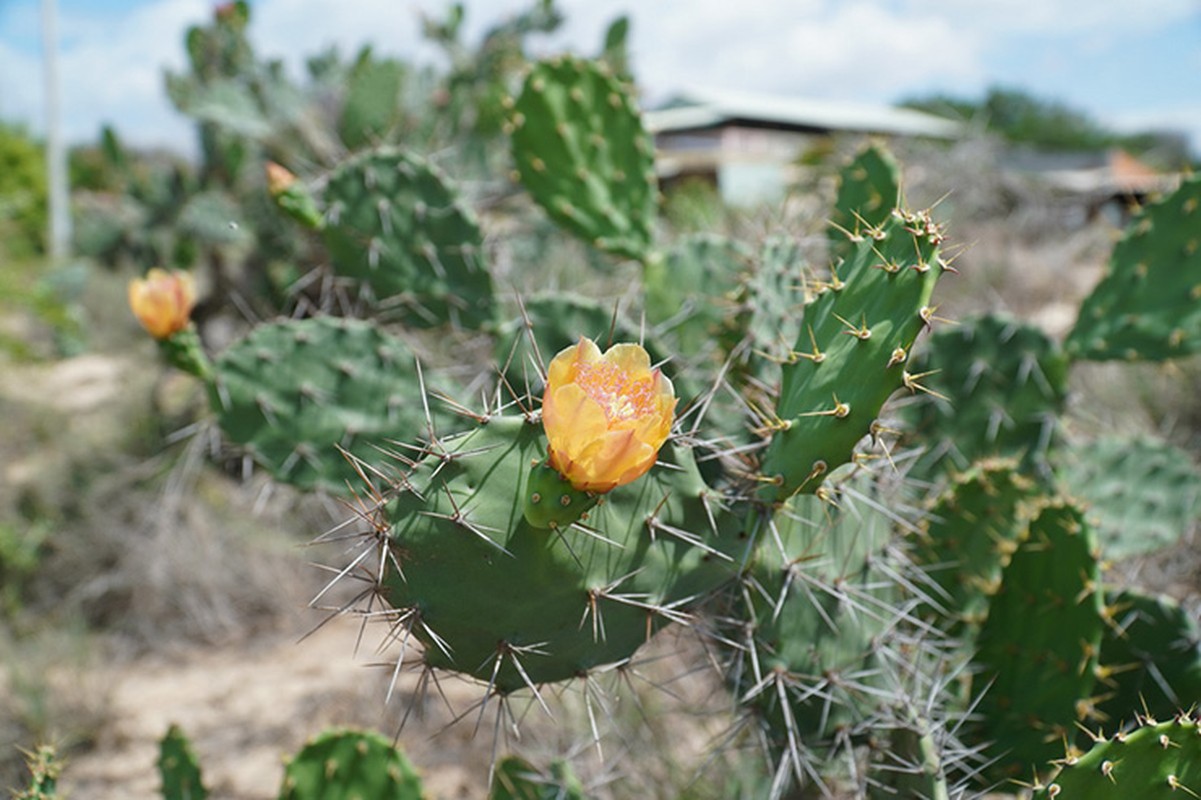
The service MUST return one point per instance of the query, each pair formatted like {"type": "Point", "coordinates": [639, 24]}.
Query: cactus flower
{"type": "Point", "coordinates": [162, 301]}
{"type": "Point", "coordinates": [605, 416]}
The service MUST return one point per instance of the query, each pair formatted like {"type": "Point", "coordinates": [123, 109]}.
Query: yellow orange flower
{"type": "Point", "coordinates": [605, 416]}
{"type": "Point", "coordinates": [162, 301]}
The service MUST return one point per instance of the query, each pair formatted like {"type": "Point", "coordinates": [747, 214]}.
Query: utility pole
{"type": "Point", "coordinates": [56, 151]}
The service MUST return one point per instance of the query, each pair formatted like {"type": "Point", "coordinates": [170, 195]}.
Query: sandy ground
{"type": "Point", "coordinates": [245, 708]}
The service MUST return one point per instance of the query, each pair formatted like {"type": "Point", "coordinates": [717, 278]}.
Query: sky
{"type": "Point", "coordinates": [1128, 65]}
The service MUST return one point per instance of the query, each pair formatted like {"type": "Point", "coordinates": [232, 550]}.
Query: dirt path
{"type": "Point", "coordinates": [245, 708]}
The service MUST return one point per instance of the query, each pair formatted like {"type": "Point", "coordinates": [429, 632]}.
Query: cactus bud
{"type": "Point", "coordinates": [163, 301]}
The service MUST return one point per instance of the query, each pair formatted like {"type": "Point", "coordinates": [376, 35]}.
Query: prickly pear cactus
{"type": "Point", "coordinates": [517, 779]}
{"type": "Point", "coordinates": [1144, 494]}
{"type": "Point", "coordinates": [869, 189]}
{"type": "Point", "coordinates": [911, 766]}
{"type": "Point", "coordinates": [1148, 305]}
{"type": "Point", "coordinates": [178, 768]}
{"type": "Point", "coordinates": [852, 351]}
{"type": "Point", "coordinates": [1150, 658]}
{"type": "Point", "coordinates": [582, 153]}
{"type": "Point", "coordinates": [44, 769]}
{"type": "Point", "coordinates": [815, 611]}
{"type": "Point", "coordinates": [392, 222]}
{"type": "Point", "coordinates": [969, 536]}
{"type": "Point", "coordinates": [1038, 649]}
{"type": "Point", "coordinates": [691, 292]}
{"type": "Point", "coordinates": [546, 604]}
{"type": "Point", "coordinates": [996, 387]}
{"type": "Point", "coordinates": [292, 392]}
{"type": "Point", "coordinates": [1158, 761]}
{"type": "Point", "coordinates": [350, 765]}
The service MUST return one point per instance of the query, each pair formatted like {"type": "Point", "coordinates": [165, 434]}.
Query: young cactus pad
{"type": "Point", "coordinates": [583, 155]}
{"type": "Point", "coordinates": [1148, 306]}
{"type": "Point", "coordinates": [1156, 762]}
{"type": "Point", "coordinates": [869, 189]}
{"type": "Point", "coordinates": [393, 223]}
{"type": "Point", "coordinates": [293, 391]}
{"type": "Point", "coordinates": [852, 351]}
{"type": "Point", "coordinates": [545, 604]}
{"type": "Point", "coordinates": [350, 765]}
{"type": "Point", "coordinates": [178, 768]}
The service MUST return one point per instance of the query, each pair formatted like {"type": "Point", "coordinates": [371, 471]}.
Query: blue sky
{"type": "Point", "coordinates": [1128, 69]}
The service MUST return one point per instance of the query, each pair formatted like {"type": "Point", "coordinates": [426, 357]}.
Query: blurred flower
{"type": "Point", "coordinates": [605, 416]}
{"type": "Point", "coordinates": [279, 179]}
{"type": "Point", "coordinates": [162, 301]}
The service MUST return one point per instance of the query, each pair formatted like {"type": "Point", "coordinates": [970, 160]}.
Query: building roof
{"type": "Point", "coordinates": [704, 108]}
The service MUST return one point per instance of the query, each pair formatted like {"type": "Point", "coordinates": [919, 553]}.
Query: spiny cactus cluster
{"type": "Point", "coordinates": [858, 618]}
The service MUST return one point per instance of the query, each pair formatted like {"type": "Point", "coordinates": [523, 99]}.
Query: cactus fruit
{"type": "Point", "coordinates": [178, 768]}
{"type": "Point", "coordinates": [545, 604]}
{"type": "Point", "coordinates": [1148, 305]}
{"type": "Point", "coordinates": [1143, 494]}
{"type": "Point", "coordinates": [969, 536]}
{"type": "Point", "coordinates": [582, 153]}
{"type": "Point", "coordinates": [292, 392]}
{"type": "Point", "coordinates": [44, 770]}
{"type": "Point", "coordinates": [1038, 649]}
{"type": "Point", "coordinates": [1150, 658]}
{"type": "Point", "coordinates": [350, 765]}
{"type": "Point", "coordinates": [516, 779]}
{"type": "Point", "coordinates": [869, 189]}
{"type": "Point", "coordinates": [852, 351]}
{"type": "Point", "coordinates": [996, 387]}
{"type": "Point", "coordinates": [393, 223]}
{"type": "Point", "coordinates": [1158, 761]}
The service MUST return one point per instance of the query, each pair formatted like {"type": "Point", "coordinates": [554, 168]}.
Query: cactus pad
{"type": "Point", "coordinates": [393, 223]}
{"type": "Point", "coordinates": [178, 768]}
{"type": "Point", "coordinates": [852, 350]}
{"type": "Point", "coordinates": [1038, 649]}
{"type": "Point", "coordinates": [350, 765]}
{"type": "Point", "coordinates": [869, 188]}
{"type": "Point", "coordinates": [583, 155]}
{"type": "Point", "coordinates": [293, 391]}
{"type": "Point", "coordinates": [1150, 658]}
{"type": "Point", "coordinates": [691, 290]}
{"type": "Point", "coordinates": [997, 387]}
{"type": "Point", "coordinates": [545, 604]}
{"type": "Point", "coordinates": [1156, 762]}
{"type": "Point", "coordinates": [1143, 494]}
{"type": "Point", "coordinates": [1148, 305]}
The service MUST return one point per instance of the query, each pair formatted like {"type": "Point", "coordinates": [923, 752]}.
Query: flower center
{"type": "Point", "coordinates": [621, 396]}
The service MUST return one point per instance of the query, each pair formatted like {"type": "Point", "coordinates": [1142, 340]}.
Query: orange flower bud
{"type": "Point", "coordinates": [605, 416]}
{"type": "Point", "coordinates": [162, 301]}
{"type": "Point", "coordinates": [279, 179]}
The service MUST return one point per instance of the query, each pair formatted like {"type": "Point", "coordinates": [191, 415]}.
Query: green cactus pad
{"type": "Point", "coordinates": [817, 608]}
{"type": "Point", "coordinates": [583, 155]}
{"type": "Point", "coordinates": [393, 223]}
{"type": "Point", "coordinates": [350, 765]}
{"type": "Point", "coordinates": [293, 391]}
{"type": "Point", "coordinates": [869, 188]}
{"type": "Point", "coordinates": [996, 388]}
{"type": "Point", "coordinates": [851, 352]}
{"type": "Point", "coordinates": [545, 605]}
{"type": "Point", "coordinates": [517, 779]}
{"type": "Point", "coordinates": [1150, 658]}
{"type": "Point", "coordinates": [1148, 305]}
{"type": "Point", "coordinates": [911, 767]}
{"type": "Point", "coordinates": [1143, 494]}
{"type": "Point", "coordinates": [178, 768]}
{"type": "Point", "coordinates": [1156, 762]}
{"type": "Point", "coordinates": [969, 536]}
{"type": "Point", "coordinates": [691, 292]}
{"type": "Point", "coordinates": [1038, 649]}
